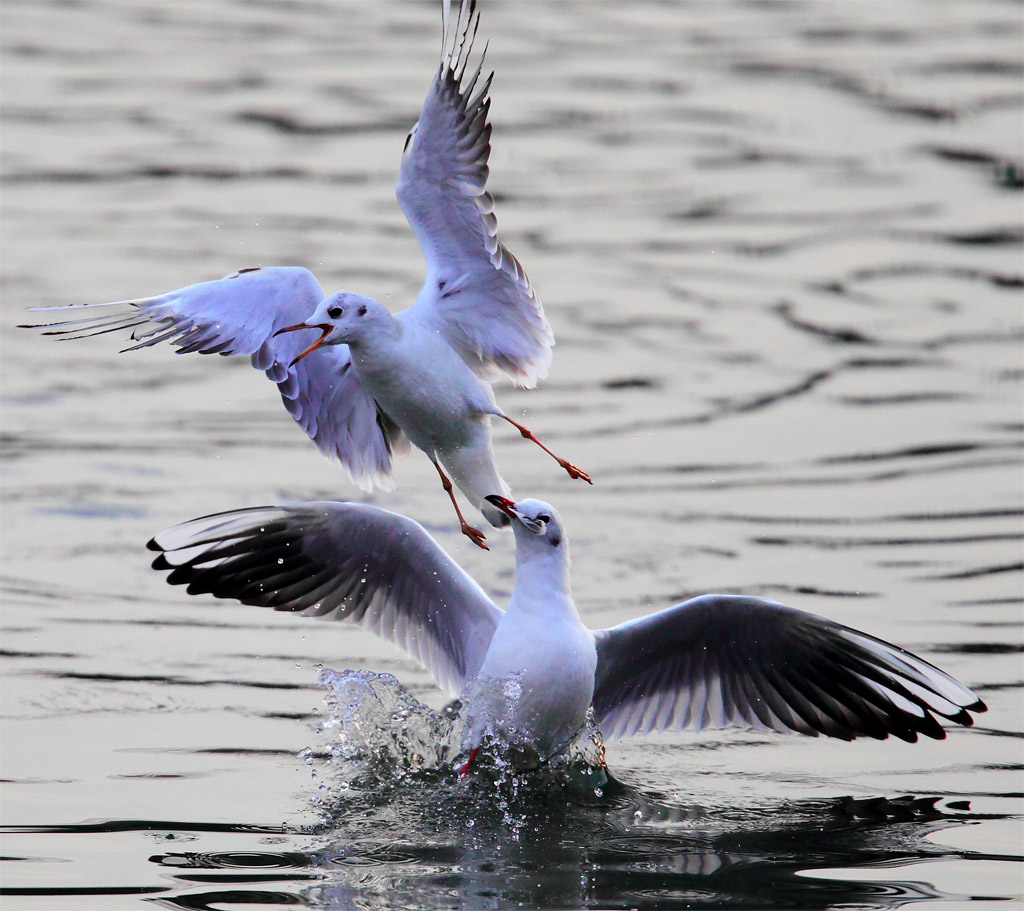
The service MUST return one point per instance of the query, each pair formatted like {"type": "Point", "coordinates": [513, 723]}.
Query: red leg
{"type": "Point", "coordinates": [464, 768]}
{"type": "Point", "coordinates": [474, 534]}
{"type": "Point", "coordinates": [574, 472]}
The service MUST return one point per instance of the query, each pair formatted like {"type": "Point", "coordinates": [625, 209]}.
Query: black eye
{"type": "Point", "coordinates": [334, 312]}
{"type": "Point", "coordinates": [543, 517]}
{"type": "Point", "coordinates": [362, 311]}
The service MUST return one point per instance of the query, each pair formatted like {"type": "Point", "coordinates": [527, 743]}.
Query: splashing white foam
{"type": "Point", "coordinates": [378, 734]}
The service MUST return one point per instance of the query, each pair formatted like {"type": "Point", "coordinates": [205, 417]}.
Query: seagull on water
{"type": "Point", "coordinates": [527, 675]}
{"type": "Point", "coordinates": [373, 382]}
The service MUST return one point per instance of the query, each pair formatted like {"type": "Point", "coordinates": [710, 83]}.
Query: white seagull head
{"type": "Point", "coordinates": [536, 524]}
{"type": "Point", "coordinates": [343, 318]}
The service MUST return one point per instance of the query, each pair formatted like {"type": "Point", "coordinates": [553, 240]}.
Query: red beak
{"type": "Point", "coordinates": [325, 329]}
{"type": "Point", "coordinates": [506, 505]}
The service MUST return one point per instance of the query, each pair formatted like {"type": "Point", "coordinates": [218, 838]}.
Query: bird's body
{"type": "Point", "coordinates": [422, 375]}
{"type": "Point", "coordinates": [528, 675]}
{"type": "Point", "coordinates": [421, 383]}
{"type": "Point", "coordinates": [540, 639]}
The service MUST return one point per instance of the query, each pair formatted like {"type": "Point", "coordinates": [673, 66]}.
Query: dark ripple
{"type": "Point", "coordinates": [975, 67]}
{"type": "Point", "coordinates": [907, 270]}
{"type": "Point", "coordinates": [167, 680]}
{"type": "Point", "coordinates": [291, 125]}
{"type": "Point", "coordinates": [993, 237]}
{"type": "Point", "coordinates": [909, 398]}
{"type": "Point", "coordinates": [161, 776]}
{"type": "Point", "coordinates": [107, 826]}
{"type": "Point", "coordinates": [631, 382]}
{"type": "Point", "coordinates": [981, 648]}
{"type": "Point", "coordinates": [810, 479]}
{"type": "Point", "coordinates": [246, 751]}
{"type": "Point", "coordinates": [236, 860]}
{"type": "Point", "coordinates": [913, 452]}
{"type": "Point", "coordinates": [273, 867]}
{"type": "Point", "coordinates": [156, 171]}
{"type": "Point", "coordinates": [806, 590]}
{"type": "Point", "coordinates": [854, 85]}
{"type": "Point", "coordinates": [845, 335]}
{"type": "Point", "coordinates": [958, 516]}
{"type": "Point", "coordinates": [1007, 173]}
{"type": "Point", "coordinates": [216, 900]}
{"type": "Point", "coordinates": [54, 891]}
{"type": "Point", "coordinates": [862, 33]}
{"type": "Point", "coordinates": [981, 571]}
{"type": "Point", "coordinates": [845, 543]}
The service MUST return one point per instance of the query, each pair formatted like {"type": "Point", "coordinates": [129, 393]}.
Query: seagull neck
{"type": "Point", "coordinates": [542, 578]}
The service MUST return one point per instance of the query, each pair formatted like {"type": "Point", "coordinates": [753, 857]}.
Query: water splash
{"type": "Point", "coordinates": [380, 733]}
{"type": "Point", "coordinates": [379, 736]}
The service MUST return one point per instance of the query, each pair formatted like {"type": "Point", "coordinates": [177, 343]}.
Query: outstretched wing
{"type": "Point", "coordinates": [239, 314]}
{"type": "Point", "coordinates": [475, 292]}
{"type": "Point", "coordinates": [724, 660]}
{"type": "Point", "coordinates": [342, 561]}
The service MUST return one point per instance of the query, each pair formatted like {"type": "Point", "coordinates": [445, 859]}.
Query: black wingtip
{"type": "Point", "coordinates": [962, 717]}
{"type": "Point", "coordinates": [152, 545]}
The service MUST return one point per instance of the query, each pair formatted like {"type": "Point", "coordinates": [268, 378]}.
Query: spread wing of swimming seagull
{"type": "Point", "coordinates": [711, 662]}
{"type": "Point", "coordinates": [372, 382]}
{"type": "Point", "coordinates": [341, 561]}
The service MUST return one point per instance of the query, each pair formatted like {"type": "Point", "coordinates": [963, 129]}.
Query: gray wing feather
{"type": "Point", "coordinates": [343, 561]}
{"type": "Point", "coordinates": [239, 314]}
{"type": "Point", "coordinates": [725, 660]}
{"type": "Point", "coordinates": [475, 292]}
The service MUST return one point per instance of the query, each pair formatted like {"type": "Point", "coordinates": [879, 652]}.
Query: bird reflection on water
{"type": "Point", "coordinates": [629, 848]}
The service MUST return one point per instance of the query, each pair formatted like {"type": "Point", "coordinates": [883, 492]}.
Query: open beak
{"type": "Point", "coordinates": [506, 505]}
{"type": "Point", "coordinates": [325, 329]}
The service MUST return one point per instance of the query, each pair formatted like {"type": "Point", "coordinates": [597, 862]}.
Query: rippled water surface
{"type": "Point", "coordinates": [780, 246]}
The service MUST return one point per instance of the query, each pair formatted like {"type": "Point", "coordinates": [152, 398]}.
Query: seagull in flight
{"type": "Point", "coordinates": [714, 661]}
{"type": "Point", "coordinates": [372, 382]}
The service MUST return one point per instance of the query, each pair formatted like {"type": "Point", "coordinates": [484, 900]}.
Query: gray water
{"type": "Point", "coordinates": [780, 246]}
